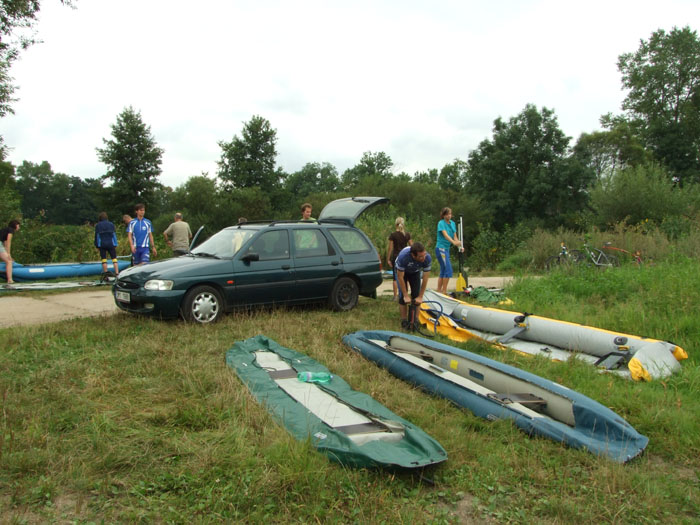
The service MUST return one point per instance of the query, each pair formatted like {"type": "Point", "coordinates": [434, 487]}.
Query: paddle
{"type": "Point", "coordinates": [461, 282]}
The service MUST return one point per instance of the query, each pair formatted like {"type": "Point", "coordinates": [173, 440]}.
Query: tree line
{"type": "Point", "coordinates": [644, 164]}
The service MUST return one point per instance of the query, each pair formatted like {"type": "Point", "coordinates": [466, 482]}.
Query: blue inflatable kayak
{"type": "Point", "coordinates": [35, 272]}
{"type": "Point", "coordinates": [494, 390]}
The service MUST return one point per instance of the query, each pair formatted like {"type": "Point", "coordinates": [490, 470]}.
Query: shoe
{"type": "Point", "coordinates": [405, 324]}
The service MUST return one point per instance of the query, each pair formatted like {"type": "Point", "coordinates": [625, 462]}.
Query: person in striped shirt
{"type": "Point", "coordinates": [140, 233]}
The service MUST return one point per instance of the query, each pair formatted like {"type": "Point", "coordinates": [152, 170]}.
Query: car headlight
{"type": "Point", "coordinates": [158, 284]}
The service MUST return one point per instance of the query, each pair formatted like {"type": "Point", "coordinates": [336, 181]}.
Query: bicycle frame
{"type": "Point", "coordinates": [637, 255]}
{"type": "Point", "coordinates": [598, 257]}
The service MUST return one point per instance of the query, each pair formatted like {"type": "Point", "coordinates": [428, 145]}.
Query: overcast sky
{"type": "Point", "coordinates": [422, 81]}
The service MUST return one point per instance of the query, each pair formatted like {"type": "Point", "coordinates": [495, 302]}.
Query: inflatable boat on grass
{"type": "Point", "coordinates": [494, 390]}
{"type": "Point", "coordinates": [630, 356]}
{"type": "Point", "coordinates": [35, 272]}
{"type": "Point", "coordinates": [348, 426]}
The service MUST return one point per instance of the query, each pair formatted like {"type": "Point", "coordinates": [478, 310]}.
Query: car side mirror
{"type": "Point", "coordinates": [252, 256]}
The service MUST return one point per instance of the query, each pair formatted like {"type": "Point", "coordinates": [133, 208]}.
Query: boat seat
{"type": "Point", "coordinates": [361, 428]}
{"type": "Point", "coordinates": [613, 360]}
{"type": "Point", "coordinates": [530, 400]}
{"type": "Point", "coordinates": [287, 373]}
{"type": "Point", "coordinates": [513, 333]}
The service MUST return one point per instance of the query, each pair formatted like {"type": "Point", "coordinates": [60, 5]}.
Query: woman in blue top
{"type": "Point", "coordinates": [446, 237]}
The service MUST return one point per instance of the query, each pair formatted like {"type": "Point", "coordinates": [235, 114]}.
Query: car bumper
{"type": "Point", "coordinates": [165, 304]}
{"type": "Point", "coordinates": [370, 283]}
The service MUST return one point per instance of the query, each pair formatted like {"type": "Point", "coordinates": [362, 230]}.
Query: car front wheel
{"type": "Point", "coordinates": [202, 304]}
{"type": "Point", "coordinates": [344, 295]}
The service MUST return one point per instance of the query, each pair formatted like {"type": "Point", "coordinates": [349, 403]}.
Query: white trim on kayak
{"type": "Point", "coordinates": [327, 407]}
{"type": "Point", "coordinates": [487, 382]}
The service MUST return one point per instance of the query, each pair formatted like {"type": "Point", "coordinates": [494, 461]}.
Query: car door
{"type": "Point", "coordinates": [316, 263]}
{"type": "Point", "coordinates": [264, 270]}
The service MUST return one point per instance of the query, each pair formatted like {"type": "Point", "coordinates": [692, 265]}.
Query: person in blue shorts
{"type": "Point", "coordinates": [106, 241]}
{"type": "Point", "coordinates": [141, 237]}
{"type": "Point", "coordinates": [410, 262]}
{"type": "Point", "coordinates": [446, 237]}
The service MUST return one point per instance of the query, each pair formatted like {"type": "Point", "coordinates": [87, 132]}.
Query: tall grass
{"type": "Point", "coordinates": [124, 419]}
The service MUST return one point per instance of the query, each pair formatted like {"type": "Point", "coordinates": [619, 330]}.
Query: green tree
{"type": "Point", "coordinates": [427, 177]}
{"type": "Point", "coordinates": [371, 165]}
{"type": "Point", "coordinates": [453, 176]}
{"type": "Point", "coordinates": [313, 177]}
{"type": "Point", "coordinates": [663, 102]}
{"type": "Point", "coordinates": [133, 159]}
{"type": "Point", "coordinates": [637, 195]}
{"type": "Point", "coordinates": [249, 161]}
{"type": "Point", "coordinates": [607, 152]}
{"type": "Point", "coordinates": [10, 201]}
{"type": "Point", "coordinates": [55, 197]}
{"type": "Point", "coordinates": [199, 200]}
{"type": "Point", "coordinates": [524, 172]}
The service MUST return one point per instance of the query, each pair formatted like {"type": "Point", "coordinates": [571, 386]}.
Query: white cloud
{"type": "Point", "coordinates": [421, 81]}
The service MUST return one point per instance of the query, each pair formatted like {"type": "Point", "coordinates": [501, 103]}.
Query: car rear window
{"type": "Point", "coordinates": [350, 241]}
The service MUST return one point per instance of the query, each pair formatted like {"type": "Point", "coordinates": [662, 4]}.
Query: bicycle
{"type": "Point", "coordinates": [636, 256]}
{"type": "Point", "coordinates": [594, 257]}
{"type": "Point", "coordinates": [563, 258]}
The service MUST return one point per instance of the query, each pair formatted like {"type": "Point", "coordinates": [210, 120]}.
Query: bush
{"type": "Point", "coordinates": [641, 194]}
{"type": "Point", "coordinates": [491, 247]}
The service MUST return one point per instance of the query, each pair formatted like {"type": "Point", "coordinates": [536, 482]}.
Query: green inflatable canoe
{"type": "Point", "coordinates": [350, 427]}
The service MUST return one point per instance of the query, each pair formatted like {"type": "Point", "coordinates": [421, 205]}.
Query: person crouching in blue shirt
{"type": "Point", "coordinates": [106, 242]}
{"type": "Point", "coordinates": [140, 233]}
{"type": "Point", "coordinates": [410, 262]}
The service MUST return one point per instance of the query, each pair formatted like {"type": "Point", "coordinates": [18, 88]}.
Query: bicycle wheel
{"type": "Point", "coordinates": [614, 261]}
{"type": "Point", "coordinates": [552, 262]}
{"type": "Point", "coordinates": [578, 257]}
{"type": "Point", "coordinates": [604, 260]}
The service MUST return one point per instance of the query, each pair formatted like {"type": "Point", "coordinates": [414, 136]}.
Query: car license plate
{"type": "Point", "coordinates": [124, 297]}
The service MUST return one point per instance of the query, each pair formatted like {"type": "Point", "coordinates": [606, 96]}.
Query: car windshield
{"type": "Point", "coordinates": [225, 243]}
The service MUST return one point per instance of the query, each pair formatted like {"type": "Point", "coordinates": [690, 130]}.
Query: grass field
{"type": "Point", "coordinates": [126, 419]}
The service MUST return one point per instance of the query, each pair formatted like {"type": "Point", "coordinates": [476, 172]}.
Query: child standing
{"type": "Point", "coordinates": [106, 242]}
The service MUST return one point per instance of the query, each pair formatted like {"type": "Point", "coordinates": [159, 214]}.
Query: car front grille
{"type": "Point", "coordinates": [123, 284]}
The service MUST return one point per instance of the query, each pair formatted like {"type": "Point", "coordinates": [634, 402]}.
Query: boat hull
{"type": "Point", "coordinates": [349, 427]}
{"type": "Point", "coordinates": [494, 390]}
{"type": "Point", "coordinates": [639, 358]}
{"type": "Point", "coordinates": [34, 272]}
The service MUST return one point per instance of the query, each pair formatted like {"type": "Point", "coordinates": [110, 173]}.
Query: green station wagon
{"type": "Point", "coordinates": [258, 263]}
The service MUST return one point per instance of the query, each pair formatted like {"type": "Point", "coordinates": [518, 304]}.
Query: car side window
{"type": "Point", "coordinates": [311, 243]}
{"type": "Point", "coordinates": [271, 245]}
{"type": "Point", "coordinates": [350, 241]}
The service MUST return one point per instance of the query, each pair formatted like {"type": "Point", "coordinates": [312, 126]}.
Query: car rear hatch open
{"type": "Point", "coordinates": [349, 209]}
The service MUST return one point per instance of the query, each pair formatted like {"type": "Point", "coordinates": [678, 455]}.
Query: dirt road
{"type": "Point", "coordinates": [24, 309]}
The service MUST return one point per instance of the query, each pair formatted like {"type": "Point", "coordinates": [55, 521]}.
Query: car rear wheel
{"type": "Point", "coordinates": [203, 304]}
{"type": "Point", "coordinates": [344, 295]}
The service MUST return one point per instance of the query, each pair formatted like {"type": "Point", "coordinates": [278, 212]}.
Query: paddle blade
{"type": "Point", "coordinates": [461, 283]}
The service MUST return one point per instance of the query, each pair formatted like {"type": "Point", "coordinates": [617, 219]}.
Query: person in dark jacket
{"type": "Point", "coordinates": [106, 242]}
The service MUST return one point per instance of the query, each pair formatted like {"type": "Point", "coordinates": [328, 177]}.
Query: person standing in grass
{"type": "Point", "coordinates": [181, 233]}
{"type": "Point", "coordinates": [410, 262]}
{"type": "Point", "coordinates": [6, 235]}
{"type": "Point", "coordinates": [398, 240]}
{"type": "Point", "coordinates": [106, 241]}
{"type": "Point", "coordinates": [140, 234]}
{"type": "Point", "coordinates": [446, 237]}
